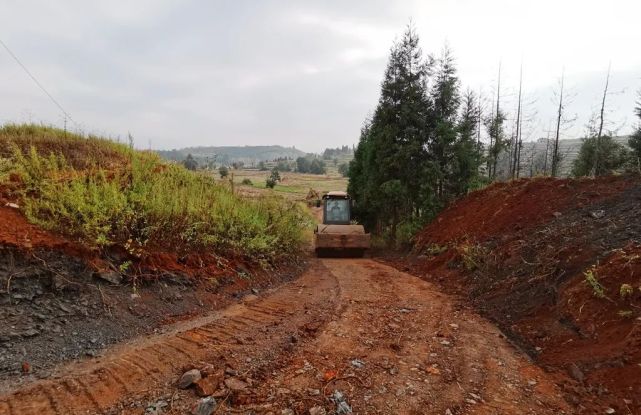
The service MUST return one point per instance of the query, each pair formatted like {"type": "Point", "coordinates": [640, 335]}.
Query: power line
{"type": "Point", "coordinates": [66, 114]}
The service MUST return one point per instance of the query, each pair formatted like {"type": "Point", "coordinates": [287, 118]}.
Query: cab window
{"type": "Point", "coordinates": [337, 210]}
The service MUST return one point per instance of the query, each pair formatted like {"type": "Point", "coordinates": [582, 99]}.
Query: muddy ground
{"type": "Point", "coordinates": [348, 336]}
{"type": "Point", "coordinates": [55, 308]}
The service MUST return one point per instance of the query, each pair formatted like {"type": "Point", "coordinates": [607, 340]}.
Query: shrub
{"type": "Point", "coordinates": [591, 278]}
{"type": "Point", "coordinates": [626, 291]}
{"type": "Point", "coordinates": [474, 256]}
{"type": "Point", "coordinates": [246, 182]}
{"type": "Point", "coordinates": [612, 157]}
{"type": "Point", "coordinates": [223, 171]}
{"type": "Point", "coordinates": [147, 203]}
{"type": "Point", "coordinates": [343, 169]}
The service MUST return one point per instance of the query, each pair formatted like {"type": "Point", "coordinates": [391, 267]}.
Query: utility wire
{"type": "Point", "coordinates": [66, 114]}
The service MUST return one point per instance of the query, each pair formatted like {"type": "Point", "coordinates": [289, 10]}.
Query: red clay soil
{"type": "Point", "coordinates": [17, 232]}
{"type": "Point", "coordinates": [520, 204]}
{"type": "Point", "coordinates": [520, 251]}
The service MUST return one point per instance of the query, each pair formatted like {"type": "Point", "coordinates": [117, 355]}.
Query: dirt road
{"type": "Point", "coordinates": [389, 342]}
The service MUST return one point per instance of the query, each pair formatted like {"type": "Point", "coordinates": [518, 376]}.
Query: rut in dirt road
{"type": "Point", "coordinates": [392, 342]}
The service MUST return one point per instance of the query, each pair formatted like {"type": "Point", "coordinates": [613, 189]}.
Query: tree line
{"type": "Point", "coordinates": [422, 146]}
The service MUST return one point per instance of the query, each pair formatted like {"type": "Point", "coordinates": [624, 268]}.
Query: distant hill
{"type": "Point", "coordinates": [249, 155]}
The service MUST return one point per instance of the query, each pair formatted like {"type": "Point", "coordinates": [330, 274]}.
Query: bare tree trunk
{"type": "Point", "coordinates": [597, 149]}
{"type": "Point", "coordinates": [478, 134]}
{"type": "Point", "coordinates": [517, 148]}
{"type": "Point", "coordinates": [495, 155]}
{"type": "Point", "coordinates": [555, 153]}
{"type": "Point", "coordinates": [547, 151]}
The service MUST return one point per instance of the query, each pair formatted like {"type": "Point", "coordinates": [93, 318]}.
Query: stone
{"type": "Point", "coordinates": [112, 277]}
{"type": "Point", "coordinates": [189, 378]}
{"type": "Point", "coordinates": [250, 298]}
{"type": "Point", "coordinates": [235, 384]}
{"type": "Point", "coordinates": [205, 406]}
{"type": "Point", "coordinates": [30, 333]}
{"type": "Point", "coordinates": [206, 386]}
{"type": "Point", "coordinates": [317, 410]}
{"type": "Point", "coordinates": [156, 408]}
{"type": "Point", "coordinates": [287, 412]}
{"type": "Point", "coordinates": [576, 373]}
{"type": "Point", "coordinates": [12, 205]}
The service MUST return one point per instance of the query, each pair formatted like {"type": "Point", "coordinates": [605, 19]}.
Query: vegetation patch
{"type": "Point", "coordinates": [141, 202]}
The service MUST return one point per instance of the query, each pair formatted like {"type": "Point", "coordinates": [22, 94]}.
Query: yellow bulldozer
{"type": "Point", "coordinates": [337, 236]}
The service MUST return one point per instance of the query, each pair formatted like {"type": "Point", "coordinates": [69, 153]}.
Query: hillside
{"type": "Point", "coordinates": [108, 242]}
{"type": "Point", "coordinates": [250, 155]}
{"type": "Point", "coordinates": [557, 265]}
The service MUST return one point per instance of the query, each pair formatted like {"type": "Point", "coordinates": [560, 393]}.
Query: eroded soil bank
{"type": "Point", "coordinates": [556, 264]}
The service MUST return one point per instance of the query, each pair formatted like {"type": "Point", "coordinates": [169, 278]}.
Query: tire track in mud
{"type": "Point", "coordinates": [420, 353]}
{"type": "Point", "coordinates": [132, 370]}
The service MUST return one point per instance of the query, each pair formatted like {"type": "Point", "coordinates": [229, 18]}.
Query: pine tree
{"type": "Point", "coordinates": [494, 125]}
{"type": "Point", "coordinates": [466, 148]}
{"type": "Point", "coordinates": [446, 101]}
{"type": "Point", "coordinates": [388, 173]}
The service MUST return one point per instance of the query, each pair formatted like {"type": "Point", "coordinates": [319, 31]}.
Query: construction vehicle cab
{"type": "Point", "coordinates": [336, 236]}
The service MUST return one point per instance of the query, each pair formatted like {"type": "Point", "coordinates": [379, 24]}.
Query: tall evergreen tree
{"type": "Point", "coordinates": [466, 148]}
{"type": "Point", "coordinates": [387, 175]}
{"type": "Point", "coordinates": [494, 125]}
{"type": "Point", "coordinates": [446, 99]}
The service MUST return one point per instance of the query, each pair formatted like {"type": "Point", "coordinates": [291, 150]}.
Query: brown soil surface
{"type": "Point", "coordinates": [519, 253]}
{"type": "Point", "coordinates": [388, 341]}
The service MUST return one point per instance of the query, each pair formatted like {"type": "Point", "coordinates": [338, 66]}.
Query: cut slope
{"type": "Point", "coordinates": [556, 264]}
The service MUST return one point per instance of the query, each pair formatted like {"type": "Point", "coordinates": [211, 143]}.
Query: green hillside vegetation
{"type": "Point", "coordinates": [215, 156]}
{"type": "Point", "coordinates": [104, 193]}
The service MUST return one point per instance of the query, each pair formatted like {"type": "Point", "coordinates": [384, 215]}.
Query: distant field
{"type": "Point", "coordinates": [294, 186]}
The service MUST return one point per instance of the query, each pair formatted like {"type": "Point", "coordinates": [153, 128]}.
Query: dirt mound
{"type": "Point", "coordinates": [79, 151]}
{"type": "Point", "coordinates": [557, 265]}
{"type": "Point", "coordinates": [521, 204]}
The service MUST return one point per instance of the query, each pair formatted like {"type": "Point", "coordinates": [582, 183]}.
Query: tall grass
{"type": "Point", "coordinates": [138, 201]}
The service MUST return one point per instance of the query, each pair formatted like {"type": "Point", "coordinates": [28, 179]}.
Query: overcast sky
{"type": "Point", "coordinates": [297, 73]}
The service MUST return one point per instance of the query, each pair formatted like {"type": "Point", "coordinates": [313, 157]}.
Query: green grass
{"type": "Point", "coordinates": [103, 193]}
{"type": "Point", "coordinates": [294, 186]}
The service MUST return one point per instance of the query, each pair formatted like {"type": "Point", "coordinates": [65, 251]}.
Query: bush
{"type": "Point", "coordinates": [270, 183]}
{"type": "Point", "coordinates": [612, 157]}
{"type": "Point", "coordinates": [223, 171]}
{"type": "Point", "coordinates": [343, 169]}
{"type": "Point", "coordinates": [147, 203]}
{"type": "Point", "coordinates": [190, 162]}
{"type": "Point", "coordinates": [246, 182]}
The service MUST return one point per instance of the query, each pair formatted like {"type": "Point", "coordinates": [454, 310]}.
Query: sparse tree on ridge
{"type": "Point", "coordinates": [597, 150]}
{"type": "Point", "coordinates": [635, 140]}
{"type": "Point", "coordinates": [556, 157]}
{"type": "Point", "coordinates": [494, 125]}
{"type": "Point", "coordinates": [518, 142]}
